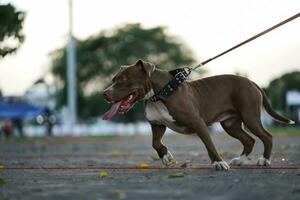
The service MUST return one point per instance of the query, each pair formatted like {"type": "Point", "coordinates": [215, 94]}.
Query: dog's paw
{"type": "Point", "coordinates": [263, 162]}
{"type": "Point", "coordinates": [221, 165]}
{"type": "Point", "coordinates": [238, 160]}
{"type": "Point", "coordinates": [168, 159]}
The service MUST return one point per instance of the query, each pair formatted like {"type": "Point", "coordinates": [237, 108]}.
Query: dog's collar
{"type": "Point", "coordinates": [180, 76]}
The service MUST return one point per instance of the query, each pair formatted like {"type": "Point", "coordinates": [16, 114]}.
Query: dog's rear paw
{"type": "Point", "coordinates": [168, 159]}
{"type": "Point", "coordinates": [221, 165]}
{"type": "Point", "coordinates": [238, 160]}
{"type": "Point", "coordinates": [263, 162]}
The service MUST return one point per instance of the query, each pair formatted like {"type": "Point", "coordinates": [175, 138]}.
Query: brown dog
{"type": "Point", "coordinates": [228, 99]}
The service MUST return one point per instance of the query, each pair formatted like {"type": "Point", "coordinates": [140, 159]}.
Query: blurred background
{"type": "Point", "coordinates": [57, 56]}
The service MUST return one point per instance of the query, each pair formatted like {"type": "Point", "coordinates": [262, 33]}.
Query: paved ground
{"type": "Point", "coordinates": [68, 168]}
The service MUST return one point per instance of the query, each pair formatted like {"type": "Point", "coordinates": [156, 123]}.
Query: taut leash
{"type": "Point", "coordinates": [181, 74]}
{"type": "Point", "coordinates": [246, 41]}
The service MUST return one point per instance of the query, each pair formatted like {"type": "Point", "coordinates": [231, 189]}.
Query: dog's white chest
{"type": "Point", "coordinates": [157, 113]}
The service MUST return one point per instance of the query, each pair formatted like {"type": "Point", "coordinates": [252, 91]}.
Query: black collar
{"type": "Point", "coordinates": [180, 76]}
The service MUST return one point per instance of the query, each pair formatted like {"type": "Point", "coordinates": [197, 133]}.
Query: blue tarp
{"type": "Point", "coordinates": [20, 110]}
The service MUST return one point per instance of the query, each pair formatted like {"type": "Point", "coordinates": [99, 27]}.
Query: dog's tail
{"type": "Point", "coordinates": [270, 110]}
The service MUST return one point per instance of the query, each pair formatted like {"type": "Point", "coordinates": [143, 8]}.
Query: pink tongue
{"type": "Point", "coordinates": [112, 112]}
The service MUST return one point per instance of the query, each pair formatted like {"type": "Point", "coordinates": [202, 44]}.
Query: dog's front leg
{"type": "Point", "coordinates": [202, 131]}
{"type": "Point", "coordinates": [157, 133]}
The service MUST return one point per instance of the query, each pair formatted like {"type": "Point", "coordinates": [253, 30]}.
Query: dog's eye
{"type": "Point", "coordinates": [122, 79]}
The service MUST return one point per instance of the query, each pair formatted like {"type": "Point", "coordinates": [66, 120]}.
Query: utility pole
{"type": "Point", "coordinates": [71, 72]}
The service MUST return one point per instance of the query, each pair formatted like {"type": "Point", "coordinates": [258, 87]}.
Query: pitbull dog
{"type": "Point", "coordinates": [228, 99]}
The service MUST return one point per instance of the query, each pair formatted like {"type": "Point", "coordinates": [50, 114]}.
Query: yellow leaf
{"type": "Point", "coordinates": [103, 174]}
{"type": "Point", "coordinates": [115, 154]}
{"type": "Point", "coordinates": [2, 167]}
{"type": "Point", "coordinates": [143, 165]}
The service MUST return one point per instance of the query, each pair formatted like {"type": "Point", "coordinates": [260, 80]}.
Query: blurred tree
{"type": "Point", "coordinates": [278, 87]}
{"type": "Point", "coordinates": [101, 55]}
{"type": "Point", "coordinates": [11, 24]}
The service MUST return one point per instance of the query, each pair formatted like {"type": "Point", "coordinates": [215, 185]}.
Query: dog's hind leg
{"type": "Point", "coordinates": [249, 107]}
{"type": "Point", "coordinates": [233, 127]}
{"type": "Point", "coordinates": [255, 126]}
{"type": "Point", "coordinates": [157, 133]}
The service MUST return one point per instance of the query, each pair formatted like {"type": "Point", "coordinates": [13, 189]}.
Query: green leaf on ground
{"type": "Point", "coordinates": [176, 175]}
{"type": "Point", "coordinates": [2, 181]}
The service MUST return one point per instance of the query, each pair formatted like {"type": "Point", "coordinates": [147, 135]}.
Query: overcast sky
{"type": "Point", "coordinates": [207, 27]}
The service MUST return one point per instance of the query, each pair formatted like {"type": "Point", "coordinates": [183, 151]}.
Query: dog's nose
{"type": "Point", "coordinates": [107, 95]}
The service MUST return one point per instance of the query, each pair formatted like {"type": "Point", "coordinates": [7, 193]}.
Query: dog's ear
{"type": "Point", "coordinates": [146, 66]}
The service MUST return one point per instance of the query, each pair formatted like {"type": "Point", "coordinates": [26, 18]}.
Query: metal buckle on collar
{"type": "Point", "coordinates": [185, 70]}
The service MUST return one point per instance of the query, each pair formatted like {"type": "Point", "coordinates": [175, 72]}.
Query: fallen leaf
{"type": "Point", "coordinates": [282, 147]}
{"type": "Point", "coordinates": [103, 174]}
{"type": "Point", "coordinates": [2, 167]}
{"type": "Point", "coordinates": [176, 175]}
{"type": "Point", "coordinates": [2, 181]}
{"type": "Point", "coordinates": [143, 165]}
{"type": "Point", "coordinates": [115, 154]}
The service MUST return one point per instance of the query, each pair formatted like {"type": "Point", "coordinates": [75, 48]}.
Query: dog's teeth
{"type": "Point", "coordinates": [130, 97]}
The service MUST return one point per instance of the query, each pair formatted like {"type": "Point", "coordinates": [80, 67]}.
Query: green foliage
{"type": "Point", "coordinates": [11, 23]}
{"type": "Point", "coordinates": [278, 87]}
{"type": "Point", "coordinates": [101, 55]}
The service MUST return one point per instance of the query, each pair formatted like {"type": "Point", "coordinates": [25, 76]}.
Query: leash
{"type": "Point", "coordinates": [246, 41]}
{"type": "Point", "coordinates": [181, 74]}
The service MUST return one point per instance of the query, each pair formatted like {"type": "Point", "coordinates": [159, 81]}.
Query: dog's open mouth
{"type": "Point", "coordinates": [121, 106]}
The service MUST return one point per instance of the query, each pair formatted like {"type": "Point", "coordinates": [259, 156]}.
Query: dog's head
{"type": "Point", "coordinates": [128, 86]}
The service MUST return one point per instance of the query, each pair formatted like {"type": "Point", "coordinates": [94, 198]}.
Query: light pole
{"type": "Point", "coordinates": [71, 72]}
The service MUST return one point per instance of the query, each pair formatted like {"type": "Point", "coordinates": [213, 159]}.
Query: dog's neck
{"type": "Point", "coordinates": [159, 78]}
